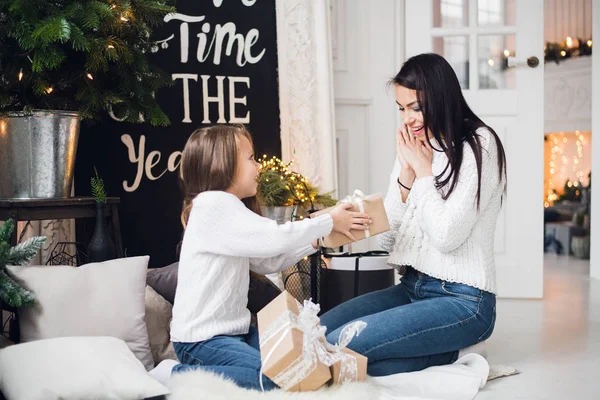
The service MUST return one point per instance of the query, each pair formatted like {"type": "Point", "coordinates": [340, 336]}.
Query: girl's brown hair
{"type": "Point", "coordinates": [209, 162]}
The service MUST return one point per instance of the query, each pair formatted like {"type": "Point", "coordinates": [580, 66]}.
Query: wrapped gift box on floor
{"type": "Point", "coordinates": [351, 368]}
{"type": "Point", "coordinates": [288, 359]}
{"type": "Point", "coordinates": [372, 205]}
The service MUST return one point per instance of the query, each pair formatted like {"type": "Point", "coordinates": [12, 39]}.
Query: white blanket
{"type": "Point", "coordinates": [459, 381]}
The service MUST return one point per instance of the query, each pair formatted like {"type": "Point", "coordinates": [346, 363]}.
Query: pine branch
{"type": "Point", "coordinates": [13, 294]}
{"type": "Point", "coordinates": [273, 191]}
{"type": "Point", "coordinates": [24, 252]}
{"type": "Point", "coordinates": [52, 30]}
{"type": "Point", "coordinates": [6, 231]}
{"type": "Point", "coordinates": [98, 190]}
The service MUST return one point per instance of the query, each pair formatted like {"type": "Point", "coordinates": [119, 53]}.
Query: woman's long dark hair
{"type": "Point", "coordinates": [446, 115]}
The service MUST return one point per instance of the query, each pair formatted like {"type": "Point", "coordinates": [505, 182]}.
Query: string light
{"type": "Point", "coordinates": [50, 90]}
{"type": "Point", "coordinates": [559, 143]}
{"type": "Point", "coordinates": [589, 43]}
{"type": "Point", "coordinates": [569, 41]}
{"type": "Point", "coordinates": [110, 46]}
{"type": "Point", "coordinates": [90, 77]}
{"type": "Point", "coordinates": [20, 74]}
{"type": "Point", "coordinates": [124, 19]}
{"type": "Point", "coordinates": [298, 185]}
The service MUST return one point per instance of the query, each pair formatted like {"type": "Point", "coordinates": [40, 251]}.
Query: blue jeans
{"type": "Point", "coordinates": [234, 357]}
{"type": "Point", "coordinates": [421, 322]}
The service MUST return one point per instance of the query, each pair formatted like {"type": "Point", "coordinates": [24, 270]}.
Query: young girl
{"type": "Point", "coordinates": [444, 197]}
{"type": "Point", "coordinates": [225, 238]}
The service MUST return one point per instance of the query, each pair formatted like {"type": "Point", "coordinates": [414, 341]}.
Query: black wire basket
{"type": "Point", "coordinates": [304, 280]}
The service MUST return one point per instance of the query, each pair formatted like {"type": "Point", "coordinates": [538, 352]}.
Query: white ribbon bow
{"type": "Point", "coordinates": [314, 345]}
{"type": "Point", "coordinates": [357, 197]}
{"type": "Point", "coordinates": [349, 365]}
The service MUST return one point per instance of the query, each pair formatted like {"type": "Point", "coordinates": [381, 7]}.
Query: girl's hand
{"type": "Point", "coordinates": [344, 220]}
{"type": "Point", "coordinates": [419, 156]}
{"type": "Point", "coordinates": [401, 145]}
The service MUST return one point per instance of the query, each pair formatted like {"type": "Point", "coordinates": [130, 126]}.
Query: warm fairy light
{"type": "Point", "coordinates": [506, 53]}
{"type": "Point", "coordinates": [560, 166]}
{"type": "Point", "coordinates": [124, 19]}
{"type": "Point", "coordinates": [300, 188]}
{"type": "Point", "coordinates": [21, 74]}
{"type": "Point", "coordinates": [110, 46]}
{"type": "Point", "coordinates": [90, 77]}
{"type": "Point", "coordinates": [49, 90]}
{"type": "Point", "coordinates": [569, 41]}
{"type": "Point", "coordinates": [563, 53]}
{"type": "Point", "coordinates": [491, 62]}
{"type": "Point", "coordinates": [589, 43]}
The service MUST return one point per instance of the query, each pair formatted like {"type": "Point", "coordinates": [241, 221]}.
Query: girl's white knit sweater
{"type": "Point", "coordinates": [448, 239]}
{"type": "Point", "coordinates": [223, 241]}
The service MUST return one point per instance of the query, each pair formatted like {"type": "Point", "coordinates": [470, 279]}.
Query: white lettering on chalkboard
{"type": "Point", "coordinates": [145, 164]}
{"type": "Point", "coordinates": [219, 98]}
{"type": "Point", "coordinates": [223, 36]}
{"type": "Point", "coordinates": [247, 3]}
{"type": "Point", "coordinates": [214, 43]}
{"type": "Point", "coordinates": [184, 31]}
{"type": "Point", "coordinates": [186, 93]}
{"type": "Point", "coordinates": [233, 119]}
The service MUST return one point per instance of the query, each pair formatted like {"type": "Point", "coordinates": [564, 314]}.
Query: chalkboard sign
{"type": "Point", "coordinates": [222, 55]}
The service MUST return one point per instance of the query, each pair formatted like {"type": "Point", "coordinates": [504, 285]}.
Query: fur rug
{"type": "Point", "coordinates": [204, 385]}
{"type": "Point", "coordinates": [460, 381]}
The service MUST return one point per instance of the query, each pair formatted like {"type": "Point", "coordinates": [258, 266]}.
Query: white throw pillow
{"type": "Point", "coordinates": [75, 368]}
{"type": "Point", "coordinates": [96, 299]}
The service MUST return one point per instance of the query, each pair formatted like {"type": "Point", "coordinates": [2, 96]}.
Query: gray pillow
{"type": "Point", "coordinates": [164, 281]}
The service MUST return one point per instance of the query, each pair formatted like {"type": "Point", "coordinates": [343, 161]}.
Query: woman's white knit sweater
{"type": "Point", "coordinates": [222, 242]}
{"type": "Point", "coordinates": [448, 239]}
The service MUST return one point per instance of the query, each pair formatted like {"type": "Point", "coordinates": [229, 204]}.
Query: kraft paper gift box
{"type": "Point", "coordinates": [281, 346]}
{"type": "Point", "coordinates": [372, 205]}
{"type": "Point", "coordinates": [355, 371]}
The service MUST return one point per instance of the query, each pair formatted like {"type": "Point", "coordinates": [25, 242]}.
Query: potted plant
{"type": "Point", "coordinates": [62, 61]}
{"type": "Point", "coordinates": [285, 195]}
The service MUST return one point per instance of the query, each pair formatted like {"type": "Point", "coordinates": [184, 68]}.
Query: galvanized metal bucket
{"type": "Point", "coordinates": [279, 214]}
{"type": "Point", "coordinates": [37, 153]}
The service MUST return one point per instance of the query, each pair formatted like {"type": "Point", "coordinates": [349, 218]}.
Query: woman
{"type": "Point", "coordinates": [444, 197]}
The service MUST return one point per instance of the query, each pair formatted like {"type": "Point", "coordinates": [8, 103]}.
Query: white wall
{"type": "Point", "coordinates": [595, 211]}
{"type": "Point", "coordinates": [367, 46]}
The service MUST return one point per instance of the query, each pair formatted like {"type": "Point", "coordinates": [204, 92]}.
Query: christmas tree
{"type": "Point", "coordinates": [10, 292]}
{"type": "Point", "coordinates": [88, 56]}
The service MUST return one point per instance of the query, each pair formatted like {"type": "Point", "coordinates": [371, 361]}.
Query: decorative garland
{"type": "Point", "coordinates": [570, 48]}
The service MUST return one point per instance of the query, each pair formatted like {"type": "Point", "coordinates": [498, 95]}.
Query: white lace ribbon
{"type": "Point", "coordinates": [349, 363]}
{"type": "Point", "coordinates": [357, 197]}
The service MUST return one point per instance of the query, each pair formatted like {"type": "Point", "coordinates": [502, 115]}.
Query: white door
{"type": "Point", "coordinates": [479, 38]}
